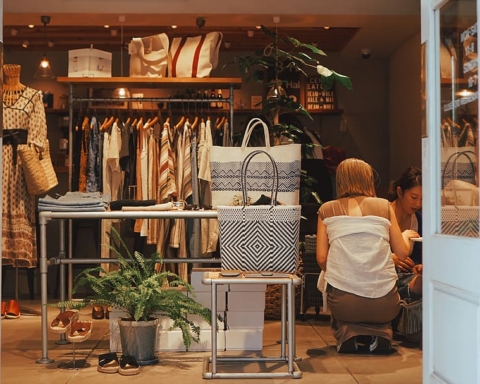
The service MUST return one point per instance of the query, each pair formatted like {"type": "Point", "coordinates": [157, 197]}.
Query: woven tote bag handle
{"type": "Point", "coordinates": [243, 176]}
{"type": "Point", "coordinates": [248, 132]}
{"type": "Point", "coordinates": [454, 157]}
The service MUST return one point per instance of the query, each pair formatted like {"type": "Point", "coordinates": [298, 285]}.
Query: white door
{"type": "Point", "coordinates": [451, 250]}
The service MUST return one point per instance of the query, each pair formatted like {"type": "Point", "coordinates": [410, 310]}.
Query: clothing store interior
{"type": "Point", "coordinates": [143, 114]}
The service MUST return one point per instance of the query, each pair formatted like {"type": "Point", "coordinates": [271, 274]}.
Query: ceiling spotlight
{"type": "Point", "coordinates": [113, 32]}
{"type": "Point", "coordinates": [326, 27]}
{"type": "Point", "coordinates": [25, 43]}
{"type": "Point", "coordinates": [250, 33]}
{"type": "Point", "coordinates": [51, 43]}
{"type": "Point", "coordinates": [227, 44]}
{"type": "Point", "coordinates": [258, 26]}
{"type": "Point", "coordinates": [14, 31]}
{"type": "Point", "coordinates": [31, 26]}
{"type": "Point", "coordinates": [174, 26]}
{"type": "Point", "coordinates": [106, 26]}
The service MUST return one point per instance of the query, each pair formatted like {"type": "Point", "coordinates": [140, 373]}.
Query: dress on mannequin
{"type": "Point", "coordinates": [24, 122]}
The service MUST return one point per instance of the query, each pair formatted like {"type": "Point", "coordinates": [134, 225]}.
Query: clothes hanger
{"type": "Point", "coordinates": [452, 122]}
{"type": "Point", "coordinates": [180, 123]}
{"type": "Point", "coordinates": [151, 123]}
{"type": "Point", "coordinates": [218, 125]}
{"type": "Point", "coordinates": [195, 122]}
{"type": "Point", "coordinates": [107, 123]}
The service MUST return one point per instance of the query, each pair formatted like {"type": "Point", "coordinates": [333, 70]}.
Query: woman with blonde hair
{"type": "Point", "coordinates": [356, 234]}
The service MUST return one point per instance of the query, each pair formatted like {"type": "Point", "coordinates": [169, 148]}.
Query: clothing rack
{"type": "Point", "coordinates": [141, 83]}
{"type": "Point", "coordinates": [158, 83]}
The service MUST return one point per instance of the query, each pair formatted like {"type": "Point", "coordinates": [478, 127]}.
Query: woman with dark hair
{"type": "Point", "coordinates": [356, 234]}
{"type": "Point", "coordinates": [405, 195]}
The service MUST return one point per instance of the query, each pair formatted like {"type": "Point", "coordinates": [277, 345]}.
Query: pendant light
{"type": "Point", "coordinates": [44, 70]}
{"type": "Point", "coordinates": [121, 92]}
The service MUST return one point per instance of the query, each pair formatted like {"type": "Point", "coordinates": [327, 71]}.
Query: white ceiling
{"type": "Point", "coordinates": [383, 25]}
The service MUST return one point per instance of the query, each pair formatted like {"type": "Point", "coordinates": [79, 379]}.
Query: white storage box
{"type": "Point", "coordinates": [89, 62]}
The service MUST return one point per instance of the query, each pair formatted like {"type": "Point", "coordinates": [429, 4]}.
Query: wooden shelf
{"type": "Point", "coordinates": [153, 82]}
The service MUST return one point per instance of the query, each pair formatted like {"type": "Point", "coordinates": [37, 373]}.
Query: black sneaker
{"type": "Point", "coordinates": [348, 346]}
{"type": "Point", "coordinates": [379, 345]}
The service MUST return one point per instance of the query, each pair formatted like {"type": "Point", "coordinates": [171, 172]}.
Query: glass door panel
{"type": "Point", "coordinates": [459, 118]}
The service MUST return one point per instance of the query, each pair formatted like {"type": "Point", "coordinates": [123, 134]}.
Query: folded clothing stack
{"type": "Point", "coordinates": [75, 201]}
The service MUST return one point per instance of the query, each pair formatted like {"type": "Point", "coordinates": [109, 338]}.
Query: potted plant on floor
{"type": "Point", "coordinates": [143, 293]}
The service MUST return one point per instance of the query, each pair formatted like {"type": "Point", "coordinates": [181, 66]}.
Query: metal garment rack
{"type": "Point", "coordinates": [135, 82]}
{"type": "Point", "coordinates": [45, 217]}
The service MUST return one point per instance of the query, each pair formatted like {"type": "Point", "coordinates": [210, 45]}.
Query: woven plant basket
{"type": "Point", "coordinates": [40, 176]}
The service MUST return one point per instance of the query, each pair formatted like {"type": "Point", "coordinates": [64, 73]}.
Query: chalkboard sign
{"type": "Point", "coordinates": [316, 98]}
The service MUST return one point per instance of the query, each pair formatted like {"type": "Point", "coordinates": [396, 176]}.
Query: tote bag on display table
{"type": "Point", "coordinates": [261, 238]}
{"type": "Point", "coordinates": [226, 166]}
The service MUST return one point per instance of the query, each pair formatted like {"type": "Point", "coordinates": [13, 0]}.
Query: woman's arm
{"type": "Point", "coordinates": [322, 244]}
{"type": "Point", "coordinates": [400, 242]}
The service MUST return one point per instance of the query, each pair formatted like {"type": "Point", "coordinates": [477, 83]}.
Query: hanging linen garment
{"type": "Point", "coordinates": [93, 165]}
{"type": "Point", "coordinates": [167, 190]}
{"type": "Point", "coordinates": [77, 149]}
{"type": "Point", "coordinates": [193, 227]}
{"type": "Point", "coordinates": [82, 177]}
{"type": "Point", "coordinates": [209, 227]}
{"type": "Point", "coordinates": [226, 133]}
{"type": "Point", "coordinates": [144, 174]}
{"type": "Point", "coordinates": [153, 170]}
{"type": "Point", "coordinates": [184, 186]}
{"type": "Point", "coordinates": [112, 175]}
{"type": "Point", "coordinates": [112, 181]}
{"type": "Point", "coordinates": [138, 170]}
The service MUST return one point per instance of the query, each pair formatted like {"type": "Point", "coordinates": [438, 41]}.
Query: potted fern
{"type": "Point", "coordinates": [143, 293]}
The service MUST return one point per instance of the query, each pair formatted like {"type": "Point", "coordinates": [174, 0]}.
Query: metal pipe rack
{"type": "Point", "coordinates": [45, 217]}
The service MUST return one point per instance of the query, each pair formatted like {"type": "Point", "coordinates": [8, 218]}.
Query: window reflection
{"type": "Point", "coordinates": [459, 118]}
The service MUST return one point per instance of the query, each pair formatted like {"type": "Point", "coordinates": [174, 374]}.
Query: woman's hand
{"type": "Point", "coordinates": [409, 234]}
{"type": "Point", "coordinates": [418, 269]}
{"type": "Point", "coordinates": [406, 265]}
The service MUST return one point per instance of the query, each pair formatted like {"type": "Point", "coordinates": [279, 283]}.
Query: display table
{"type": "Point", "coordinates": [45, 217]}
{"type": "Point", "coordinates": [287, 283]}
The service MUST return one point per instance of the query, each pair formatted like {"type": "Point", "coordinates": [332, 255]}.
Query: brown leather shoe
{"type": "Point", "coordinates": [13, 310]}
{"type": "Point", "coordinates": [97, 312]}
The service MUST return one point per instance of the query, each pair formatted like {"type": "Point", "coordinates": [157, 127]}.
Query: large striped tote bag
{"type": "Point", "coordinates": [260, 238]}
{"type": "Point", "coordinates": [194, 56]}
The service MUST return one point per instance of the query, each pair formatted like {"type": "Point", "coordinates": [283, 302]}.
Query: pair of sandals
{"type": "Point", "coordinates": [67, 323]}
{"type": "Point", "coordinates": [109, 363]}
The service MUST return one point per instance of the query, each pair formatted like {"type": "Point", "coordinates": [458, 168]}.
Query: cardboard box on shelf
{"type": "Point", "coordinates": [89, 62]}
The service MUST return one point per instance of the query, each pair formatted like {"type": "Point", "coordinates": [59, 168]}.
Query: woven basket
{"type": "Point", "coordinates": [40, 177]}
